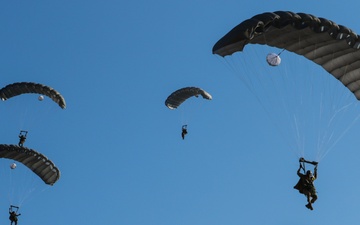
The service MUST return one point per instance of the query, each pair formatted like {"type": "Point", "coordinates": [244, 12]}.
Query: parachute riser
{"type": "Point", "coordinates": [23, 133]}
{"type": "Point", "coordinates": [12, 207]}
{"type": "Point", "coordinates": [281, 52]}
{"type": "Point", "coordinates": [304, 161]}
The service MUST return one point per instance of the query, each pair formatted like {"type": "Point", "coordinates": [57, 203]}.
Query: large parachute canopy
{"type": "Point", "coordinates": [334, 47]}
{"type": "Point", "coordinates": [178, 97]}
{"type": "Point", "coordinates": [19, 88]}
{"type": "Point", "coordinates": [35, 161]}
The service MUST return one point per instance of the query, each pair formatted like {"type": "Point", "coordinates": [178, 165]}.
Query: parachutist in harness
{"type": "Point", "coordinates": [305, 185]}
{"type": "Point", "coordinates": [13, 214]}
{"type": "Point", "coordinates": [183, 131]}
{"type": "Point", "coordinates": [22, 136]}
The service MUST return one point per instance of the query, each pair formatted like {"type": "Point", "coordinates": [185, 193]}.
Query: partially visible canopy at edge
{"type": "Point", "coordinates": [332, 46]}
{"type": "Point", "coordinates": [35, 161]}
{"type": "Point", "coordinates": [19, 88]}
{"type": "Point", "coordinates": [178, 97]}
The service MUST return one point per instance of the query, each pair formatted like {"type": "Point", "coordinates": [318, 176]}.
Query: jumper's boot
{"type": "Point", "coordinates": [309, 206]}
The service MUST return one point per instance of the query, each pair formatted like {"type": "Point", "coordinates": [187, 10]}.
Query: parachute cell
{"type": "Point", "coordinates": [178, 97]}
{"type": "Point", "coordinates": [332, 46]}
{"type": "Point", "coordinates": [35, 161]}
{"type": "Point", "coordinates": [19, 88]}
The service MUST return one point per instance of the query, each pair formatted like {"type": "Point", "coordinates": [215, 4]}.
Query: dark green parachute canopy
{"type": "Point", "coordinates": [19, 88]}
{"type": "Point", "coordinates": [332, 46]}
{"type": "Point", "coordinates": [35, 161]}
{"type": "Point", "coordinates": [178, 97]}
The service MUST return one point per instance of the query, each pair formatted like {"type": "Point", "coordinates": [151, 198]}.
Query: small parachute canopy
{"type": "Point", "coordinates": [19, 88]}
{"type": "Point", "coordinates": [273, 59]}
{"type": "Point", "coordinates": [334, 47]}
{"type": "Point", "coordinates": [35, 161]}
{"type": "Point", "coordinates": [178, 97]}
{"type": "Point", "coordinates": [13, 165]}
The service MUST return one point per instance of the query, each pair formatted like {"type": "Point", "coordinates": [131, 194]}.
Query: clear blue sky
{"type": "Point", "coordinates": [119, 148]}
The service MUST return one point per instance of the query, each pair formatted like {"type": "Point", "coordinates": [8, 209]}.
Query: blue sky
{"type": "Point", "coordinates": [118, 147]}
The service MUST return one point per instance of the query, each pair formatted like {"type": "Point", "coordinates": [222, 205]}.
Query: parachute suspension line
{"type": "Point", "coordinates": [342, 134]}
{"type": "Point", "coordinates": [23, 114]}
{"type": "Point", "coordinates": [15, 189]}
{"type": "Point", "coordinates": [20, 183]}
{"type": "Point", "coordinates": [294, 110]}
{"type": "Point", "coordinates": [284, 84]}
{"type": "Point", "coordinates": [183, 116]}
{"type": "Point", "coordinates": [281, 51]}
{"type": "Point", "coordinates": [30, 190]}
{"type": "Point", "coordinates": [261, 83]}
{"type": "Point", "coordinates": [340, 106]}
{"type": "Point", "coordinates": [287, 86]}
{"type": "Point", "coordinates": [190, 109]}
{"type": "Point", "coordinates": [301, 110]}
{"type": "Point", "coordinates": [29, 114]}
{"type": "Point", "coordinates": [320, 138]}
{"type": "Point", "coordinates": [312, 109]}
{"type": "Point", "coordinates": [259, 80]}
{"type": "Point", "coordinates": [288, 99]}
{"type": "Point", "coordinates": [28, 187]}
{"type": "Point", "coordinates": [300, 143]}
{"type": "Point", "coordinates": [324, 134]}
{"type": "Point", "coordinates": [25, 192]}
{"type": "Point", "coordinates": [10, 187]}
{"type": "Point", "coordinates": [233, 65]}
{"type": "Point", "coordinates": [242, 71]}
{"type": "Point", "coordinates": [302, 103]}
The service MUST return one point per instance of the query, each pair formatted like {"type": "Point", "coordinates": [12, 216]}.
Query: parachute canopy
{"type": "Point", "coordinates": [178, 97]}
{"type": "Point", "coordinates": [19, 88]}
{"type": "Point", "coordinates": [35, 161]}
{"type": "Point", "coordinates": [334, 47]}
{"type": "Point", "coordinates": [13, 165]}
{"type": "Point", "coordinates": [273, 59]}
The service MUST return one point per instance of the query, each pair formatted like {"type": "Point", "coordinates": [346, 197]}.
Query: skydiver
{"type": "Point", "coordinates": [183, 131]}
{"type": "Point", "coordinates": [22, 137]}
{"type": "Point", "coordinates": [13, 216]}
{"type": "Point", "coordinates": [305, 185]}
